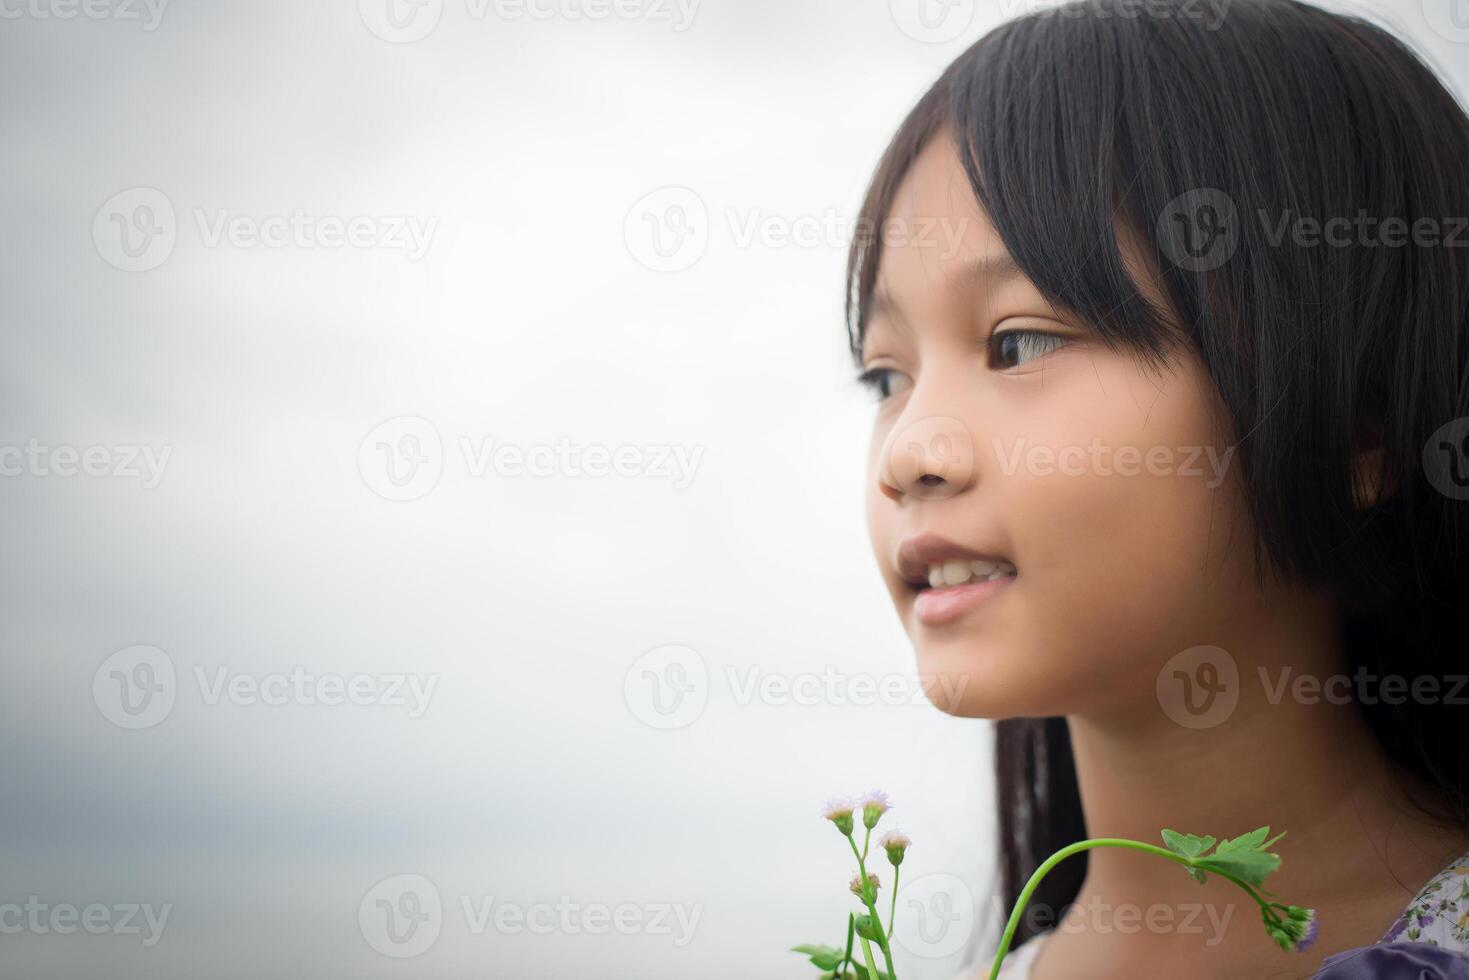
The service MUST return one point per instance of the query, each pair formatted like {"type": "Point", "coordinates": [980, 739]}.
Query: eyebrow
{"type": "Point", "coordinates": [988, 270]}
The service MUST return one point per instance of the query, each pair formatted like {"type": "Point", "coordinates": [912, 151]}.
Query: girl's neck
{"type": "Point", "coordinates": [1356, 847]}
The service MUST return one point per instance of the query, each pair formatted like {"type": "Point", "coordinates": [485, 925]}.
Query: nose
{"type": "Point", "coordinates": [928, 458]}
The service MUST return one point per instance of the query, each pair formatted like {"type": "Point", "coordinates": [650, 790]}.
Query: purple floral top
{"type": "Point", "coordinates": [1429, 941]}
{"type": "Point", "coordinates": [1439, 913]}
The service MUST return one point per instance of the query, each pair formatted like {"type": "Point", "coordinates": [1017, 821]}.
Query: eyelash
{"type": "Point", "coordinates": [997, 340]}
{"type": "Point", "coordinates": [875, 379]}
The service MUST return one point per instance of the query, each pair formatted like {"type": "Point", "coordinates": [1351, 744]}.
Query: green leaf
{"type": "Point", "coordinates": [1244, 857]}
{"type": "Point", "coordinates": [1252, 867]}
{"type": "Point", "coordinates": [1186, 845]}
{"type": "Point", "coordinates": [824, 957]}
{"type": "Point", "coordinates": [1244, 842]}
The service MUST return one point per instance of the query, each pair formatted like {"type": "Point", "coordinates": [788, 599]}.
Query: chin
{"type": "Point", "coordinates": [970, 677]}
{"type": "Point", "coordinates": [988, 673]}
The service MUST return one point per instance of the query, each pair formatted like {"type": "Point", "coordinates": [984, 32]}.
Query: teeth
{"type": "Point", "coordinates": [957, 571]}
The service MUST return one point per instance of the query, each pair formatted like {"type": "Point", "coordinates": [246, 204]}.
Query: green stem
{"type": "Point", "coordinates": [847, 956]}
{"type": "Point", "coordinates": [882, 939]}
{"type": "Point", "coordinates": [867, 954]}
{"type": "Point", "coordinates": [1077, 848]}
{"type": "Point", "coordinates": [893, 912]}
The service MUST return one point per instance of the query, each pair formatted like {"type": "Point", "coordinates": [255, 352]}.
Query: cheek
{"type": "Point", "coordinates": [880, 510]}
{"type": "Point", "coordinates": [1127, 529]}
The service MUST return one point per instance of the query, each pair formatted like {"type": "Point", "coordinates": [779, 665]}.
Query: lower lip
{"type": "Point", "coordinates": [939, 607]}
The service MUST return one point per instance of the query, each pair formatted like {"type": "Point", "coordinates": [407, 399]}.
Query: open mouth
{"type": "Point", "coordinates": [957, 571]}
{"type": "Point", "coordinates": [950, 580]}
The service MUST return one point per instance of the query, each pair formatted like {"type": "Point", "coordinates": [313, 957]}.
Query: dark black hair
{"type": "Point", "coordinates": [1104, 119]}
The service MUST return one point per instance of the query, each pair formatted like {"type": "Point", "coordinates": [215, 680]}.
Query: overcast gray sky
{"type": "Point", "coordinates": [432, 488]}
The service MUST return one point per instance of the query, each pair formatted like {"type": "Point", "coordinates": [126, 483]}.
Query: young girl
{"type": "Point", "coordinates": [1168, 323]}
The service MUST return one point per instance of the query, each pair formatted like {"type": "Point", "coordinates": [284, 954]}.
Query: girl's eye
{"type": "Point", "coordinates": [1012, 348]}
{"type": "Point", "coordinates": [883, 382]}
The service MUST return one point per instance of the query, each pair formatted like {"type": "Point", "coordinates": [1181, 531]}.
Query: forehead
{"type": "Point", "coordinates": [936, 186]}
{"type": "Point", "coordinates": [939, 246]}
{"type": "Point", "coordinates": [941, 253]}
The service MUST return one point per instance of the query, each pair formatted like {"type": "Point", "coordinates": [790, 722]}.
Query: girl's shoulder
{"type": "Point", "coordinates": [1017, 962]}
{"type": "Point", "coordinates": [1429, 941]}
{"type": "Point", "coordinates": [1439, 914]}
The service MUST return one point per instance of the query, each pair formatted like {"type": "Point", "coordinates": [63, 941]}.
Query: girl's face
{"type": "Point", "coordinates": [1007, 433]}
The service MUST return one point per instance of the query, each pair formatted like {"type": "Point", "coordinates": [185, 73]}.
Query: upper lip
{"type": "Point", "coordinates": [917, 553]}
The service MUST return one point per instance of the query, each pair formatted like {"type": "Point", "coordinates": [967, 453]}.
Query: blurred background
{"type": "Point", "coordinates": [431, 487]}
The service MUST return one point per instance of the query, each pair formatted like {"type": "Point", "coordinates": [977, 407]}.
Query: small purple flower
{"type": "Point", "coordinates": [895, 842]}
{"type": "Point", "coordinates": [839, 812]}
{"type": "Point", "coordinates": [874, 805]}
{"type": "Point", "coordinates": [1308, 937]}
